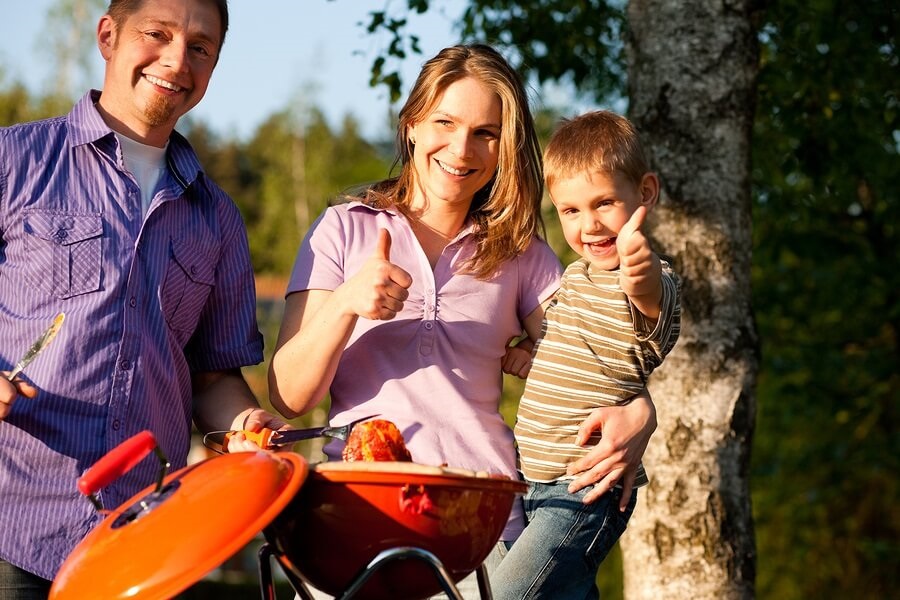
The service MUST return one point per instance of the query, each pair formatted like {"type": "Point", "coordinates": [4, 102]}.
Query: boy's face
{"type": "Point", "coordinates": [592, 208]}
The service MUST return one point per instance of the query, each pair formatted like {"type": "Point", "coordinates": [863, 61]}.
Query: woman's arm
{"type": "Point", "coordinates": [312, 337]}
{"type": "Point", "coordinates": [626, 430]}
{"type": "Point", "coordinates": [318, 323]}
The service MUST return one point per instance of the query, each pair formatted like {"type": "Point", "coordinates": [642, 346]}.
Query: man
{"type": "Point", "coordinates": [106, 215]}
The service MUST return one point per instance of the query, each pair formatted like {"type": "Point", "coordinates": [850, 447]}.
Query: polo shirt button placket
{"type": "Point", "coordinates": [426, 340]}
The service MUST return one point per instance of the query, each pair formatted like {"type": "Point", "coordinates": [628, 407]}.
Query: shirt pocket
{"type": "Point", "coordinates": [64, 251]}
{"type": "Point", "coordinates": [190, 276]}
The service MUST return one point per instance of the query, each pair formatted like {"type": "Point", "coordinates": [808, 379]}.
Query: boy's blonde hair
{"type": "Point", "coordinates": [595, 142]}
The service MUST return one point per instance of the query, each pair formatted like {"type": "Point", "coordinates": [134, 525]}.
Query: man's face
{"type": "Point", "coordinates": [158, 65]}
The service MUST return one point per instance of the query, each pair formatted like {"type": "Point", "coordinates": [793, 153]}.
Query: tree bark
{"type": "Point", "coordinates": [691, 69]}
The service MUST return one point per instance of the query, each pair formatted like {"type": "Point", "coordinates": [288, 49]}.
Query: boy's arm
{"type": "Point", "coordinates": [640, 270]}
{"type": "Point", "coordinates": [517, 360]}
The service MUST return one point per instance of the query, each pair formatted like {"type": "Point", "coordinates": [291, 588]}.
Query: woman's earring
{"type": "Point", "coordinates": [412, 141]}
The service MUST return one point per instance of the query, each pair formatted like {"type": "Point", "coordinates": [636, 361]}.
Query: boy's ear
{"type": "Point", "coordinates": [649, 190]}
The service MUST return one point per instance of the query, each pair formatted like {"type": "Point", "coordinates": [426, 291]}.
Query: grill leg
{"type": "Point", "coordinates": [267, 583]}
{"type": "Point", "coordinates": [484, 584]}
{"type": "Point", "coordinates": [386, 556]}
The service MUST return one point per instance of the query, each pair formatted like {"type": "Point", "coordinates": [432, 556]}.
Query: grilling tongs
{"type": "Point", "coordinates": [268, 438]}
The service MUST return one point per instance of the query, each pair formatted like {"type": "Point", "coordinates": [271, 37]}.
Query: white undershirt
{"type": "Point", "coordinates": [146, 163]}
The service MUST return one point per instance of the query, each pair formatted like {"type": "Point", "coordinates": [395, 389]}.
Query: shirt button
{"type": "Point", "coordinates": [193, 269]}
{"type": "Point", "coordinates": [133, 302]}
{"type": "Point", "coordinates": [125, 365]}
{"type": "Point", "coordinates": [62, 234]}
{"type": "Point", "coordinates": [115, 424]}
{"type": "Point", "coordinates": [429, 325]}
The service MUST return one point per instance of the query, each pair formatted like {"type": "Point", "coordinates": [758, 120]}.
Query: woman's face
{"type": "Point", "coordinates": [457, 145]}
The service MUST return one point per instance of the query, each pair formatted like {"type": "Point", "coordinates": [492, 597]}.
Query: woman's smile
{"type": "Point", "coordinates": [456, 148]}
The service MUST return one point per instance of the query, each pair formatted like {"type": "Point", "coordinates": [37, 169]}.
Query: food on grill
{"type": "Point", "coordinates": [376, 440]}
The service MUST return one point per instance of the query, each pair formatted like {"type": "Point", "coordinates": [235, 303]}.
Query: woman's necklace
{"type": "Point", "coordinates": [432, 241]}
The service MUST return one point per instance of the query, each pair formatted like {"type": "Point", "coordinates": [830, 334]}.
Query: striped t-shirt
{"type": "Point", "coordinates": [596, 350]}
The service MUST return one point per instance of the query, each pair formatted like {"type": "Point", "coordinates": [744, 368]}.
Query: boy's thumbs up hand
{"type": "Point", "coordinates": [639, 266]}
{"type": "Point", "coordinates": [377, 291]}
{"type": "Point", "coordinates": [630, 240]}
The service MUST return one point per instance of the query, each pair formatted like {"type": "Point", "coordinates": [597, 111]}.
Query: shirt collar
{"type": "Point", "coordinates": [469, 227]}
{"type": "Point", "coordinates": [359, 205]}
{"type": "Point", "coordinates": [86, 126]}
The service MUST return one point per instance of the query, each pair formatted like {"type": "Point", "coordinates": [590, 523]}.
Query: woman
{"type": "Point", "coordinates": [402, 302]}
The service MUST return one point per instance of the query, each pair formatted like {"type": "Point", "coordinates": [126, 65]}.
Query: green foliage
{"type": "Point", "coordinates": [578, 41]}
{"type": "Point", "coordinates": [17, 105]}
{"type": "Point", "coordinates": [536, 35]}
{"type": "Point", "coordinates": [69, 44]}
{"type": "Point", "coordinates": [826, 291]}
{"type": "Point", "coordinates": [285, 175]}
{"type": "Point", "coordinates": [400, 42]}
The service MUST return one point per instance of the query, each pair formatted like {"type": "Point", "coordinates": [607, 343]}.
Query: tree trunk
{"type": "Point", "coordinates": [691, 70]}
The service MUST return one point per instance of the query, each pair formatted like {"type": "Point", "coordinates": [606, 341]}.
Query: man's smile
{"type": "Point", "coordinates": [163, 83]}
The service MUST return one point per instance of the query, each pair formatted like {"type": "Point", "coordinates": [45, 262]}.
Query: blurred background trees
{"type": "Point", "coordinates": [825, 284]}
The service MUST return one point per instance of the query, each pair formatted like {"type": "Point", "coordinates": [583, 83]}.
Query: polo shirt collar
{"type": "Point", "coordinates": [469, 226]}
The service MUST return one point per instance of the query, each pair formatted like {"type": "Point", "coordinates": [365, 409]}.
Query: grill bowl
{"type": "Point", "coordinates": [347, 513]}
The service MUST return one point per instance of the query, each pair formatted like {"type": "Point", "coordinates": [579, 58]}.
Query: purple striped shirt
{"type": "Point", "coordinates": [147, 302]}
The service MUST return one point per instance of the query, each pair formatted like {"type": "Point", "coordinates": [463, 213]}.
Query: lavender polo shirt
{"type": "Point", "coordinates": [435, 369]}
{"type": "Point", "coordinates": [147, 302]}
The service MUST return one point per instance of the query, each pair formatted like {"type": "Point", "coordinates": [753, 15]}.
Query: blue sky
{"type": "Point", "coordinates": [277, 52]}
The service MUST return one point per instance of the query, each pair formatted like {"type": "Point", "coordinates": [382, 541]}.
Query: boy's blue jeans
{"type": "Point", "coordinates": [558, 554]}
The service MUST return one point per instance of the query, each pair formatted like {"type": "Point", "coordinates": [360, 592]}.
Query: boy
{"type": "Point", "coordinates": [613, 320]}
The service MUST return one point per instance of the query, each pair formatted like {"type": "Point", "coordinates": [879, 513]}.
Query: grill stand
{"type": "Point", "coordinates": [267, 585]}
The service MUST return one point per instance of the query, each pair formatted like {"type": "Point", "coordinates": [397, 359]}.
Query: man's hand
{"type": "Point", "coordinates": [252, 420]}
{"type": "Point", "coordinates": [615, 459]}
{"type": "Point", "coordinates": [10, 390]}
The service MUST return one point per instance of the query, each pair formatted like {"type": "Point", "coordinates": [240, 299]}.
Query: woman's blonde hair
{"type": "Point", "coordinates": [507, 210]}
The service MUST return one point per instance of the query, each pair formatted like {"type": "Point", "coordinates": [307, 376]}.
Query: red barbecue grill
{"type": "Point", "coordinates": [353, 530]}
